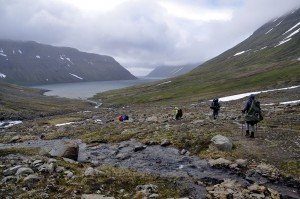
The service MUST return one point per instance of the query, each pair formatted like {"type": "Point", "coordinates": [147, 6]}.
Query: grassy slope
{"type": "Point", "coordinates": [18, 102]}
{"type": "Point", "coordinates": [225, 74]}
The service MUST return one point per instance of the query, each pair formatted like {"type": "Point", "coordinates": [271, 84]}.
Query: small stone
{"type": "Point", "coordinates": [139, 148]}
{"type": "Point", "coordinates": [241, 162]}
{"type": "Point", "coordinates": [183, 151]}
{"type": "Point", "coordinates": [60, 169]}
{"type": "Point", "coordinates": [37, 163]}
{"type": "Point", "coordinates": [70, 161]}
{"type": "Point", "coordinates": [165, 143]}
{"type": "Point", "coordinates": [92, 172]}
{"type": "Point", "coordinates": [220, 162]}
{"type": "Point", "coordinates": [11, 171]}
{"type": "Point", "coordinates": [69, 174]}
{"type": "Point", "coordinates": [155, 195]}
{"type": "Point", "coordinates": [95, 196]}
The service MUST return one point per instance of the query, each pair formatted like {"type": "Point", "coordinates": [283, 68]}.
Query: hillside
{"type": "Point", "coordinates": [32, 63]}
{"type": "Point", "coordinates": [18, 102]}
{"type": "Point", "coordinates": [171, 71]}
{"type": "Point", "coordinates": [269, 58]}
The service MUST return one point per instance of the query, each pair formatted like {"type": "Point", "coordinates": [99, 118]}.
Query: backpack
{"type": "Point", "coordinates": [179, 112]}
{"type": "Point", "coordinates": [215, 105]}
{"type": "Point", "coordinates": [254, 113]}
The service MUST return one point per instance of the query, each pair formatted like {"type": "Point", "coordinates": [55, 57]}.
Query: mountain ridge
{"type": "Point", "coordinates": [31, 63]}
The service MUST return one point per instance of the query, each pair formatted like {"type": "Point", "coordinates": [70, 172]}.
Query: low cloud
{"type": "Point", "coordinates": [140, 34]}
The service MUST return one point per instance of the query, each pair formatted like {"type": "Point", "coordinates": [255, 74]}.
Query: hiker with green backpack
{"type": "Point", "coordinates": [253, 115]}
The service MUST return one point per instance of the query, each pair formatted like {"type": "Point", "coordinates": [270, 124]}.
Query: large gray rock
{"type": "Point", "coordinates": [24, 171]}
{"type": "Point", "coordinates": [11, 170]}
{"type": "Point", "coordinates": [65, 149]}
{"type": "Point", "coordinates": [221, 143]}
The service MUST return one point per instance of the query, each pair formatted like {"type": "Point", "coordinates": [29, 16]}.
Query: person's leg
{"type": "Point", "coordinates": [252, 130]}
{"type": "Point", "coordinates": [247, 129]}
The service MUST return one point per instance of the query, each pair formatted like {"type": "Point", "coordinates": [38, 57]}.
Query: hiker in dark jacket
{"type": "Point", "coordinates": [178, 113]}
{"type": "Point", "coordinates": [215, 106]}
{"type": "Point", "coordinates": [250, 124]}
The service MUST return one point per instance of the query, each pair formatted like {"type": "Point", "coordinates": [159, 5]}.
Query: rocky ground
{"type": "Point", "coordinates": [154, 156]}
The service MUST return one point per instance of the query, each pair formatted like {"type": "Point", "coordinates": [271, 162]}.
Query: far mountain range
{"type": "Point", "coordinates": [32, 63]}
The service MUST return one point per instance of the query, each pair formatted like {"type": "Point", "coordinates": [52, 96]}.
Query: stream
{"type": "Point", "coordinates": [157, 160]}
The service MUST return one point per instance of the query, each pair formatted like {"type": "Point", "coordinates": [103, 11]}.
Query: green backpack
{"type": "Point", "coordinates": [254, 113]}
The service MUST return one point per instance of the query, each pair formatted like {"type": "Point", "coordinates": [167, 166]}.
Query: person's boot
{"type": "Point", "coordinates": [247, 133]}
{"type": "Point", "coordinates": [252, 135]}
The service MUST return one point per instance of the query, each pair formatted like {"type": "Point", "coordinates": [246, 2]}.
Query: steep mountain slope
{"type": "Point", "coordinates": [171, 71]}
{"type": "Point", "coordinates": [269, 58]}
{"type": "Point", "coordinates": [34, 63]}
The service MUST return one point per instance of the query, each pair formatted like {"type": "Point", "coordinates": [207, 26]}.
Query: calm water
{"type": "Point", "coordinates": [84, 90]}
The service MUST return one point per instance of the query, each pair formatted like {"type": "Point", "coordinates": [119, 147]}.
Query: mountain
{"type": "Point", "coordinates": [171, 71]}
{"type": "Point", "coordinates": [32, 63]}
{"type": "Point", "coordinates": [269, 58]}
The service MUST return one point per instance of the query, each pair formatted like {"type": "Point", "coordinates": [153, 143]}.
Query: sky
{"type": "Point", "coordinates": [140, 34]}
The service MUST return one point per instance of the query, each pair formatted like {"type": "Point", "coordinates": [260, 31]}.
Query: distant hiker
{"type": "Point", "coordinates": [123, 117]}
{"type": "Point", "coordinates": [178, 113]}
{"type": "Point", "coordinates": [215, 106]}
{"type": "Point", "coordinates": [253, 115]}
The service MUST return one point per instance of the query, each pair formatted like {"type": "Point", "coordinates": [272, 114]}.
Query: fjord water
{"type": "Point", "coordinates": [84, 90]}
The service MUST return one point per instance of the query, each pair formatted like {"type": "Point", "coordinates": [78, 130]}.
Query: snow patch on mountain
{"type": "Point", "coordinates": [279, 23]}
{"type": "Point", "coordinates": [2, 75]}
{"type": "Point", "coordinates": [38, 57]}
{"type": "Point", "coordinates": [164, 83]}
{"type": "Point", "coordinates": [242, 52]}
{"type": "Point", "coordinates": [293, 33]}
{"type": "Point", "coordinates": [67, 58]}
{"type": "Point", "coordinates": [282, 42]}
{"type": "Point", "coordinates": [61, 57]}
{"type": "Point", "coordinates": [1, 50]}
{"type": "Point", "coordinates": [264, 47]}
{"type": "Point", "coordinates": [20, 51]}
{"type": "Point", "coordinates": [291, 102]}
{"type": "Point", "coordinates": [240, 96]}
{"type": "Point", "coordinates": [2, 54]}
{"type": "Point", "coordinates": [13, 51]}
{"type": "Point", "coordinates": [292, 28]}
{"type": "Point", "coordinates": [269, 31]}
{"type": "Point", "coordinates": [76, 76]}
{"type": "Point", "coordinates": [298, 59]}
{"type": "Point", "coordinates": [177, 71]}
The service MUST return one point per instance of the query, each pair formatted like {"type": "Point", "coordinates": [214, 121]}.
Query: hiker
{"type": "Point", "coordinates": [253, 115]}
{"type": "Point", "coordinates": [215, 106]}
{"type": "Point", "coordinates": [178, 113]}
{"type": "Point", "coordinates": [123, 117]}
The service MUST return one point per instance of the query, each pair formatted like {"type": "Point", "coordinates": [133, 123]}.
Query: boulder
{"type": "Point", "coordinates": [165, 143]}
{"type": "Point", "coordinates": [221, 143]}
{"type": "Point", "coordinates": [15, 139]}
{"type": "Point", "coordinates": [65, 149]}
{"type": "Point", "coordinates": [9, 179]}
{"type": "Point", "coordinates": [11, 171]}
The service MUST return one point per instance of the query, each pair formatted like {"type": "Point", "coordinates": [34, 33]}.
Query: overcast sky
{"type": "Point", "coordinates": [140, 34]}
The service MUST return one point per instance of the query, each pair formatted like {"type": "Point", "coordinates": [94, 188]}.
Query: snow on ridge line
{"type": "Point", "coordinates": [20, 51]}
{"type": "Point", "coordinates": [291, 28]}
{"type": "Point", "coordinates": [239, 53]}
{"type": "Point", "coordinates": [76, 76]}
{"type": "Point", "coordinates": [164, 83]}
{"type": "Point", "coordinates": [7, 124]}
{"type": "Point", "coordinates": [279, 23]}
{"type": "Point", "coordinates": [38, 57]}
{"type": "Point", "coordinates": [2, 75]}
{"type": "Point", "coordinates": [242, 95]}
{"type": "Point", "coordinates": [2, 54]}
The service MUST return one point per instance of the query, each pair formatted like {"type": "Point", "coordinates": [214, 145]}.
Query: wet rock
{"type": "Point", "coordinates": [221, 143]}
{"type": "Point", "coordinates": [165, 143]}
{"type": "Point", "coordinates": [92, 172]}
{"type": "Point", "coordinates": [219, 163]}
{"type": "Point", "coordinates": [24, 171]}
{"type": "Point", "coordinates": [9, 179]}
{"type": "Point", "coordinates": [95, 196]}
{"type": "Point", "coordinates": [65, 149]}
{"type": "Point", "coordinates": [31, 180]}
{"type": "Point", "coordinates": [139, 148]}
